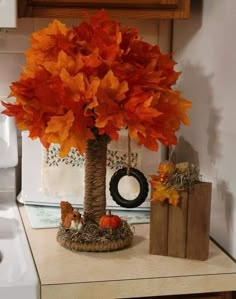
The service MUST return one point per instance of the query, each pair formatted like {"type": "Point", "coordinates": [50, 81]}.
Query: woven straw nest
{"type": "Point", "coordinates": [93, 238]}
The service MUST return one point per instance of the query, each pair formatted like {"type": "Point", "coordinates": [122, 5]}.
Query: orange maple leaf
{"type": "Point", "coordinates": [58, 128]}
{"type": "Point", "coordinates": [166, 167]}
{"type": "Point", "coordinates": [64, 62]}
{"type": "Point", "coordinates": [48, 42]}
{"type": "Point", "coordinates": [110, 95]}
{"type": "Point", "coordinates": [160, 192]}
{"type": "Point", "coordinates": [75, 83]}
{"type": "Point", "coordinates": [111, 89]}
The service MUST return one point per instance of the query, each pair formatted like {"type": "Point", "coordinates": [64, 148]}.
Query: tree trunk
{"type": "Point", "coordinates": [95, 178]}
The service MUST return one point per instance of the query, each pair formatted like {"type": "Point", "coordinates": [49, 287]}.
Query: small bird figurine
{"type": "Point", "coordinates": [70, 218]}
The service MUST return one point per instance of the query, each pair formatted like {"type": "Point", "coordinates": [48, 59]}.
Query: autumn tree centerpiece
{"type": "Point", "coordinates": [82, 85]}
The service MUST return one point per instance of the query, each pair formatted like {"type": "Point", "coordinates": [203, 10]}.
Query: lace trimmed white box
{"type": "Point", "coordinates": [47, 179]}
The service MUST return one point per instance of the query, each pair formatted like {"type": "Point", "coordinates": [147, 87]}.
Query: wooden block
{"type": "Point", "coordinates": [158, 228]}
{"type": "Point", "coordinates": [198, 225]}
{"type": "Point", "coordinates": [177, 227]}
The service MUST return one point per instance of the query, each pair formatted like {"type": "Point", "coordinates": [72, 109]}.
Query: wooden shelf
{"type": "Point", "coordinates": [162, 9]}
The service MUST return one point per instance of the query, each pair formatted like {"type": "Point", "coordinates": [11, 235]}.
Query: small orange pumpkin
{"type": "Point", "coordinates": [110, 221]}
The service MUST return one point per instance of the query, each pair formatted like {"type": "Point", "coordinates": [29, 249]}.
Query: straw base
{"type": "Point", "coordinates": [93, 238]}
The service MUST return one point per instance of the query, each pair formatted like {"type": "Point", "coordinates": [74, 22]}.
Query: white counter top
{"type": "Point", "coordinates": [131, 272]}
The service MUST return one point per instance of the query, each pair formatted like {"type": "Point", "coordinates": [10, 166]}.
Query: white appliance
{"type": "Point", "coordinates": [32, 176]}
{"type": "Point", "coordinates": [8, 13]}
{"type": "Point", "coordinates": [8, 141]}
{"type": "Point", "coordinates": [18, 276]}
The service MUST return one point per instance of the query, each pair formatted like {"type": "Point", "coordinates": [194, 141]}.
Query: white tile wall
{"type": "Point", "coordinates": [9, 71]}
{"type": "Point", "coordinates": [17, 40]}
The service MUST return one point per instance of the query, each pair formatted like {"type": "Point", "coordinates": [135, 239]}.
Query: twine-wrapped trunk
{"type": "Point", "coordinates": [95, 178]}
{"type": "Point", "coordinates": [91, 237]}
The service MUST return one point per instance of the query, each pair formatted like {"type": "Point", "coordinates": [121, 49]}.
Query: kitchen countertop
{"type": "Point", "coordinates": [131, 272]}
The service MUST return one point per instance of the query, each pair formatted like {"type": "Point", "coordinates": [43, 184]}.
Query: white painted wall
{"type": "Point", "coordinates": [205, 48]}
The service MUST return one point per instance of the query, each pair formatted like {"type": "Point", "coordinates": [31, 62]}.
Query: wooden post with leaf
{"type": "Point", "coordinates": [180, 212]}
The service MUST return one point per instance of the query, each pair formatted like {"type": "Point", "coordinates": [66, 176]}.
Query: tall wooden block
{"type": "Point", "coordinates": [159, 229]}
{"type": "Point", "coordinates": [182, 231]}
{"type": "Point", "coordinates": [199, 205]}
{"type": "Point", "coordinates": [177, 227]}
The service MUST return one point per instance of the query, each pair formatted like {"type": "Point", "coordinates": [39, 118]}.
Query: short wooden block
{"type": "Point", "coordinates": [182, 231]}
